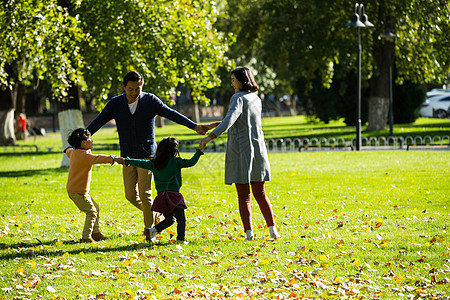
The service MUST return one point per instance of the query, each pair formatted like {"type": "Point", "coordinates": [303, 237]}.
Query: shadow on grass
{"type": "Point", "coordinates": [27, 250]}
{"type": "Point", "coordinates": [33, 172]}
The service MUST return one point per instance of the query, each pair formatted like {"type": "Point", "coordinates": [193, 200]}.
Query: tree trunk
{"type": "Point", "coordinates": [69, 118]}
{"type": "Point", "coordinates": [379, 90]}
{"type": "Point", "coordinates": [7, 122]}
{"type": "Point", "coordinates": [378, 111]}
{"type": "Point", "coordinates": [7, 134]}
{"type": "Point", "coordinates": [195, 113]}
{"type": "Point", "coordinates": [159, 121]}
{"type": "Point", "coordinates": [20, 100]}
{"type": "Point", "coordinates": [292, 105]}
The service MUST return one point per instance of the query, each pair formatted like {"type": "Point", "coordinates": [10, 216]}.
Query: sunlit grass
{"type": "Point", "coordinates": [353, 224]}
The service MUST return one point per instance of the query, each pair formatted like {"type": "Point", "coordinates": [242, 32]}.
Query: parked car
{"type": "Point", "coordinates": [437, 92]}
{"type": "Point", "coordinates": [436, 106]}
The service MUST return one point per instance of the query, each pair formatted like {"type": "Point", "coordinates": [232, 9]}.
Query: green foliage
{"type": "Point", "coordinates": [169, 42]}
{"type": "Point", "coordinates": [407, 100]}
{"type": "Point", "coordinates": [353, 225]}
{"type": "Point", "coordinates": [302, 41]}
{"type": "Point", "coordinates": [339, 100]}
{"type": "Point", "coordinates": [94, 43]}
{"type": "Point", "coordinates": [40, 39]}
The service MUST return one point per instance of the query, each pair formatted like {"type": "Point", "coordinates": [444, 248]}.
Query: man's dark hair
{"type": "Point", "coordinates": [245, 77]}
{"type": "Point", "coordinates": [77, 136]}
{"type": "Point", "coordinates": [132, 76]}
{"type": "Point", "coordinates": [167, 148]}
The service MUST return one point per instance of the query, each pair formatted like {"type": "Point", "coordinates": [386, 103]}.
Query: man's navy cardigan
{"type": "Point", "coordinates": [137, 131]}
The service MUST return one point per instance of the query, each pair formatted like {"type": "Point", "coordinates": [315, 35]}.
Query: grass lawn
{"type": "Point", "coordinates": [370, 224]}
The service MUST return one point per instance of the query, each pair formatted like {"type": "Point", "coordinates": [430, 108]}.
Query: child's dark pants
{"type": "Point", "coordinates": [176, 215]}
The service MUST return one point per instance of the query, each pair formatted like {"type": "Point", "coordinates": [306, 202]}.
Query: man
{"type": "Point", "coordinates": [134, 113]}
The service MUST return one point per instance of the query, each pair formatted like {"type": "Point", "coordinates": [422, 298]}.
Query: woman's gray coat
{"type": "Point", "coordinates": [246, 157]}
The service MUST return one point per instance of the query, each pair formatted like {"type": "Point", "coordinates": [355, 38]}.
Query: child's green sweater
{"type": "Point", "coordinates": [169, 177]}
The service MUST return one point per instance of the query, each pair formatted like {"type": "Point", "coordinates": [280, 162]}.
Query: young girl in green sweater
{"type": "Point", "coordinates": [166, 168]}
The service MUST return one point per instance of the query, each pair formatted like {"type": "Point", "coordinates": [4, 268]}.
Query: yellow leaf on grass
{"type": "Point", "coordinates": [356, 262]}
{"type": "Point", "coordinates": [206, 248]}
{"type": "Point", "coordinates": [337, 279]}
{"type": "Point", "coordinates": [62, 229]}
{"type": "Point", "coordinates": [293, 234]}
{"type": "Point", "coordinates": [323, 257]}
{"type": "Point", "coordinates": [129, 292]}
{"type": "Point", "coordinates": [33, 264]}
{"type": "Point", "coordinates": [35, 225]}
{"type": "Point", "coordinates": [264, 261]}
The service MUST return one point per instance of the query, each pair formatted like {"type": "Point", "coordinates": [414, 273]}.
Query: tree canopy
{"type": "Point", "coordinates": [93, 43]}
{"type": "Point", "coordinates": [303, 40]}
{"type": "Point", "coordinates": [39, 38]}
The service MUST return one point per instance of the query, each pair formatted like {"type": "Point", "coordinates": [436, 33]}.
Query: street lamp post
{"type": "Point", "coordinates": [355, 22]}
{"type": "Point", "coordinates": [389, 37]}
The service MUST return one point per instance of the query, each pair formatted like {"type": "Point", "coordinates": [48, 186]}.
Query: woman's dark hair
{"type": "Point", "coordinates": [245, 77]}
{"type": "Point", "coordinates": [167, 148]}
{"type": "Point", "coordinates": [77, 136]}
{"type": "Point", "coordinates": [132, 76]}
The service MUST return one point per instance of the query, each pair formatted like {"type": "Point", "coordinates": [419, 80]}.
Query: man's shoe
{"type": "Point", "coordinates": [182, 242]}
{"type": "Point", "coordinates": [99, 237]}
{"type": "Point", "coordinates": [150, 233]}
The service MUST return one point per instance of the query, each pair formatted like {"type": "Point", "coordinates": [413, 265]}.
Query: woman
{"type": "Point", "coordinates": [246, 161]}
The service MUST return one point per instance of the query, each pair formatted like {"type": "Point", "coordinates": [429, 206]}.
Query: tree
{"type": "Point", "coordinates": [170, 43]}
{"type": "Point", "coordinates": [89, 46]}
{"type": "Point", "coordinates": [38, 39]}
{"type": "Point", "coordinates": [303, 40]}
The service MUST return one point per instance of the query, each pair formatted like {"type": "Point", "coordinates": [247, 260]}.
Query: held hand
{"type": "Point", "coordinates": [119, 160]}
{"type": "Point", "coordinates": [203, 142]}
{"type": "Point", "coordinates": [213, 125]}
{"type": "Point", "coordinates": [201, 129]}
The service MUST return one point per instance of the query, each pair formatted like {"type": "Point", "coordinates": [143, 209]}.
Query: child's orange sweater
{"type": "Point", "coordinates": [81, 162]}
